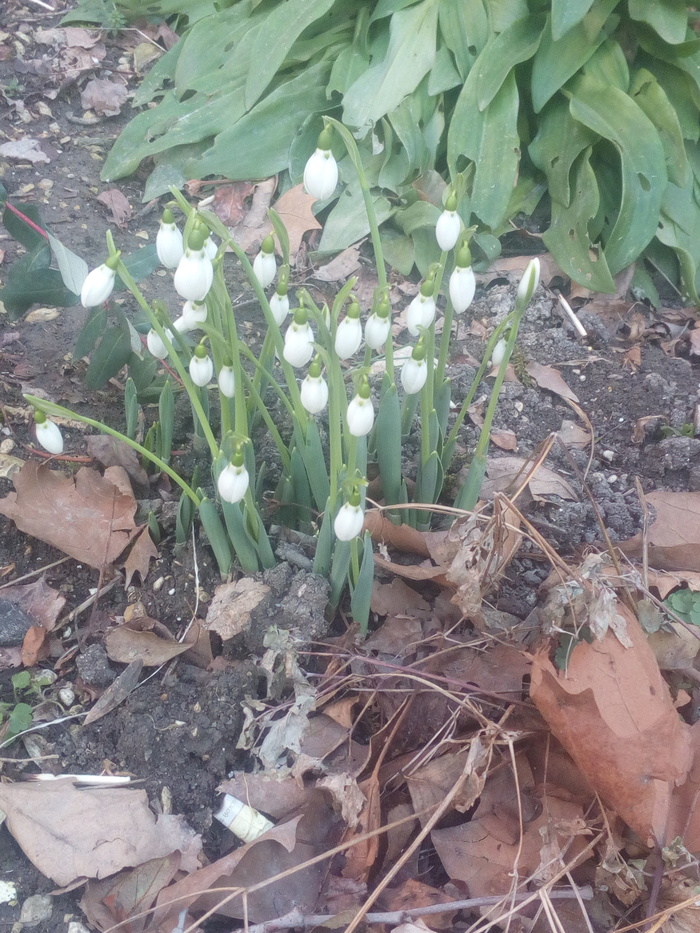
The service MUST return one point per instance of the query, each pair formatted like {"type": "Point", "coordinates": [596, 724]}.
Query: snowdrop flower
{"type": "Point", "coordinates": [210, 247]}
{"type": "Point", "coordinates": [529, 281]}
{"type": "Point", "coordinates": [233, 480]}
{"type": "Point", "coordinates": [264, 265]}
{"type": "Point", "coordinates": [299, 340]}
{"type": "Point", "coordinates": [378, 326]}
{"type": "Point", "coordinates": [449, 225]}
{"type": "Point", "coordinates": [195, 313]}
{"type": "Point", "coordinates": [414, 371]}
{"type": "Point", "coordinates": [155, 345]}
{"type": "Point", "coordinates": [462, 282]}
{"type": "Point", "coordinates": [321, 172]}
{"type": "Point", "coordinates": [99, 283]}
{"type": "Point", "coordinates": [201, 366]}
{"type": "Point", "coordinates": [499, 351]}
{"type": "Point", "coordinates": [279, 304]}
{"type": "Point", "coordinates": [360, 415]}
{"type": "Point", "coordinates": [194, 273]}
{"type": "Point", "coordinates": [314, 389]}
{"type": "Point", "coordinates": [227, 381]}
{"type": "Point", "coordinates": [348, 336]}
{"type": "Point", "coordinates": [48, 433]}
{"type": "Point", "coordinates": [169, 243]}
{"type": "Point", "coordinates": [421, 311]}
{"type": "Point", "coordinates": [350, 519]}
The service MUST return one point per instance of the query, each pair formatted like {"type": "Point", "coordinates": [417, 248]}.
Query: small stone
{"type": "Point", "coordinates": [93, 666]}
{"type": "Point", "coordinates": [36, 909]}
{"type": "Point", "coordinates": [608, 455]}
{"type": "Point", "coordinates": [14, 624]}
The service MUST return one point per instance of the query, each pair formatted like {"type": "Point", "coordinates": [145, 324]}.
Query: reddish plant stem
{"type": "Point", "coordinates": [27, 221]}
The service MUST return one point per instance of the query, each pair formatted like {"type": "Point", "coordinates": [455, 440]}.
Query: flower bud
{"type": "Point", "coordinates": [348, 336]}
{"type": "Point", "coordinates": [529, 281]}
{"type": "Point", "coordinates": [264, 265]}
{"type": "Point", "coordinates": [349, 521]}
{"type": "Point", "coordinates": [314, 393]}
{"type": "Point", "coordinates": [360, 415]}
{"type": "Point", "coordinates": [155, 345]}
{"type": "Point", "coordinates": [421, 311]}
{"type": "Point", "coordinates": [194, 274]}
{"type": "Point", "coordinates": [377, 330]}
{"type": "Point", "coordinates": [298, 341]}
{"type": "Point", "coordinates": [99, 283]}
{"type": "Point", "coordinates": [279, 305]}
{"type": "Point", "coordinates": [48, 433]}
{"type": "Point", "coordinates": [210, 247]}
{"type": "Point", "coordinates": [321, 171]}
{"type": "Point", "coordinates": [201, 367]}
{"type": "Point", "coordinates": [233, 480]}
{"type": "Point", "coordinates": [194, 313]}
{"type": "Point", "coordinates": [227, 381]}
{"type": "Point", "coordinates": [462, 288]}
{"type": "Point", "coordinates": [499, 351]}
{"type": "Point", "coordinates": [414, 371]}
{"type": "Point", "coordinates": [449, 225]}
{"type": "Point", "coordinates": [169, 243]}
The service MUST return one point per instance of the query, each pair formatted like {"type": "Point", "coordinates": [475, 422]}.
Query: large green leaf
{"type": "Point", "coordinates": [558, 60]}
{"type": "Point", "coordinates": [615, 116]}
{"type": "Point", "coordinates": [409, 57]}
{"type": "Point", "coordinates": [668, 17]}
{"type": "Point", "coordinates": [566, 14]}
{"type": "Point", "coordinates": [679, 229]}
{"type": "Point", "coordinates": [31, 281]}
{"type": "Point", "coordinates": [257, 145]}
{"type": "Point", "coordinates": [284, 23]}
{"type": "Point", "coordinates": [347, 222]}
{"type": "Point", "coordinates": [649, 95]}
{"type": "Point", "coordinates": [92, 330]}
{"type": "Point", "coordinates": [680, 89]}
{"type": "Point", "coordinates": [516, 44]}
{"type": "Point", "coordinates": [218, 46]}
{"type": "Point", "coordinates": [465, 30]}
{"type": "Point", "coordinates": [162, 73]}
{"type": "Point", "coordinates": [112, 353]}
{"type": "Point", "coordinates": [559, 141]}
{"type": "Point", "coordinates": [490, 139]}
{"type": "Point", "coordinates": [568, 237]}
{"type": "Point", "coordinates": [608, 65]}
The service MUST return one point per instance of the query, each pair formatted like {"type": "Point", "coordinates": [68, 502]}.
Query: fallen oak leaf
{"type": "Point", "coordinates": [673, 538]}
{"type": "Point", "coordinates": [116, 202]}
{"type": "Point", "coordinates": [549, 378]}
{"type": "Point", "coordinates": [294, 209]}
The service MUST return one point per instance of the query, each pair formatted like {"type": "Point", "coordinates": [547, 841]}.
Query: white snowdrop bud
{"type": "Point", "coordinates": [298, 340]}
{"type": "Point", "coordinates": [48, 433]}
{"type": "Point", "coordinates": [233, 480]}
{"type": "Point", "coordinates": [195, 313]}
{"type": "Point", "coordinates": [449, 225]}
{"type": "Point", "coordinates": [314, 392]}
{"type": "Point", "coordinates": [264, 265]}
{"type": "Point", "coordinates": [499, 351]}
{"type": "Point", "coordinates": [529, 281]}
{"type": "Point", "coordinates": [279, 305]}
{"type": "Point", "coordinates": [349, 521]}
{"type": "Point", "coordinates": [462, 282]}
{"type": "Point", "coordinates": [155, 345]}
{"type": "Point", "coordinates": [227, 381]}
{"type": "Point", "coordinates": [414, 371]}
{"type": "Point", "coordinates": [99, 283]}
{"type": "Point", "coordinates": [321, 171]}
{"type": "Point", "coordinates": [360, 415]}
{"type": "Point", "coordinates": [421, 311]}
{"type": "Point", "coordinates": [195, 273]}
{"type": "Point", "coordinates": [169, 244]}
{"type": "Point", "coordinates": [348, 336]}
{"type": "Point", "coordinates": [201, 367]}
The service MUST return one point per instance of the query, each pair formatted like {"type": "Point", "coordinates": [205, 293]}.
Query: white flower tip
{"type": "Point", "coordinates": [530, 280]}
{"type": "Point", "coordinates": [348, 522]}
{"type": "Point", "coordinates": [49, 436]}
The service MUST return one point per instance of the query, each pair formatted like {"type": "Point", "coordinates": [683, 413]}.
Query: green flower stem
{"type": "Point", "coordinates": [355, 559]}
{"type": "Point", "coordinates": [468, 495]}
{"type": "Point", "coordinates": [239, 401]}
{"type": "Point", "coordinates": [271, 426]}
{"type": "Point", "coordinates": [190, 388]}
{"type": "Point", "coordinates": [444, 344]}
{"type": "Point", "coordinates": [50, 408]}
{"type": "Point", "coordinates": [337, 417]}
{"type": "Point", "coordinates": [248, 353]}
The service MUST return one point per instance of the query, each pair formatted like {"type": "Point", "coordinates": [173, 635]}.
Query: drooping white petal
{"type": "Point", "coordinates": [279, 305]}
{"type": "Point", "coordinates": [348, 522]}
{"type": "Point", "coordinates": [298, 344]}
{"type": "Point", "coordinates": [194, 275]}
{"type": "Point", "coordinates": [447, 230]}
{"type": "Point", "coordinates": [155, 345]}
{"type": "Point", "coordinates": [195, 313]}
{"type": "Point", "coordinates": [227, 381]}
{"type": "Point", "coordinates": [377, 330]}
{"type": "Point", "coordinates": [49, 436]}
{"type": "Point", "coordinates": [233, 483]}
{"type": "Point", "coordinates": [201, 370]}
{"type": "Point", "coordinates": [462, 287]}
{"type": "Point", "coordinates": [97, 286]}
{"type": "Point", "coordinates": [265, 267]}
{"type": "Point", "coordinates": [348, 337]}
{"type": "Point", "coordinates": [420, 313]}
{"type": "Point", "coordinates": [360, 416]}
{"type": "Point", "coordinates": [169, 245]}
{"type": "Point", "coordinates": [499, 352]}
{"type": "Point", "coordinates": [321, 174]}
{"type": "Point", "coordinates": [210, 247]}
{"type": "Point", "coordinates": [530, 280]}
{"type": "Point", "coordinates": [314, 394]}
{"type": "Point", "coordinates": [413, 375]}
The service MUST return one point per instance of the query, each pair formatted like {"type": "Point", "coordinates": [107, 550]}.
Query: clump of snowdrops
{"type": "Point", "coordinates": [315, 361]}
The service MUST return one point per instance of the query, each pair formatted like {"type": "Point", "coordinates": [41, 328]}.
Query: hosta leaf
{"type": "Point", "coordinates": [568, 238]}
{"type": "Point", "coordinates": [112, 352]}
{"type": "Point", "coordinates": [680, 89]}
{"type": "Point", "coordinates": [558, 60]}
{"type": "Point", "coordinates": [566, 14]}
{"type": "Point", "coordinates": [347, 222]}
{"type": "Point", "coordinates": [615, 116]}
{"type": "Point", "coordinates": [608, 65]}
{"type": "Point", "coordinates": [649, 95]}
{"type": "Point", "coordinates": [679, 229]}
{"type": "Point", "coordinates": [465, 30]}
{"type": "Point", "coordinates": [516, 44]}
{"type": "Point", "coordinates": [216, 50]}
{"type": "Point", "coordinates": [30, 281]}
{"type": "Point", "coordinates": [409, 57]}
{"type": "Point", "coordinates": [490, 139]}
{"type": "Point", "coordinates": [669, 18]}
{"type": "Point", "coordinates": [558, 143]}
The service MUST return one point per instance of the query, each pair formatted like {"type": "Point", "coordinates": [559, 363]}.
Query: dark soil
{"type": "Point", "coordinates": [178, 732]}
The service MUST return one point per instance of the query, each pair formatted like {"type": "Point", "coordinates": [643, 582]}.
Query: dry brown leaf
{"type": "Point", "coordinates": [125, 644]}
{"type": "Point", "coordinates": [86, 517]}
{"type": "Point", "coordinates": [294, 208]}
{"type": "Point", "coordinates": [673, 537]}
{"type": "Point", "coordinates": [665, 581]}
{"type": "Point", "coordinates": [501, 472]}
{"type": "Point", "coordinates": [70, 833]}
{"type": "Point", "coordinates": [640, 427]}
{"type": "Point", "coordinates": [398, 599]}
{"type": "Point", "coordinates": [38, 600]}
{"type": "Point", "coordinates": [413, 894]}
{"type": "Point", "coordinates": [275, 794]}
{"type": "Point", "coordinates": [109, 451]}
{"type": "Point", "coordinates": [230, 201]}
{"type": "Point", "coordinates": [116, 693]}
{"type": "Point", "coordinates": [104, 96]}
{"type": "Point", "coordinates": [140, 555]}
{"type": "Point", "coordinates": [341, 268]}
{"type": "Point", "coordinates": [549, 378]}
{"type": "Point", "coordinates": [233, 605]}
{"type": "Point", "coordinates": [360, 859]}
{"type": "Point", "coordinates": [118, 899]}
{"type": "Point", "coordinates": [117, 203]}
{"type": "Point", "coordinates": [24, 150]}
{"type": "Point", "coordinates": [255, 226]}
{"type": "Point", "coordinates": [506, 440]}
{"type": "Point", "coordinates": [572, 435]}
{"type": "Point", "coordinates": [613, 713]}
